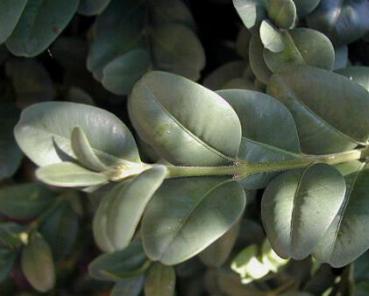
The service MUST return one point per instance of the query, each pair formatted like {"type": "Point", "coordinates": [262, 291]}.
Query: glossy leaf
{"type": "Point", "coordinates": [130, 286]}
{"type": "Point", "coordinates": [302, 46]}
{"type": "Point", "coordinates": [39, 25]}
{"type": "Point", "coordinates": [160, 281]}
{"type": "Point", "coordinates": [10, 12]}
{"type": "Point", "coordinates": [342, 21]}
{"type": "Point", "coordinates": [161, 109]}
{"type": "Point", "coordinates": [251, 12]}
{"type": "Point", "coordinates": [120, 211]}
{"type": "Point", "coordinates": [44, 132]}
{"type": "Point", "coordinates": [269, 132]}
{"type": "Point", "coordinates": [344, 241]}
{"type": "Point", "coordinates": [271, 38]}
{"type": "Point", "coordinates": [69, 174]}
{"type": "Point", "coordinates": [186, 215]}
{"type": "Point", "coordinates": [37, 264]}
{"type": "Point", "coordinates": [282, 12]}
{"type": "Point", "coordinates": [10, 155]}
{"type": "Point", "coordinates": [121, 73]}
{"type": "Point", "coordinates": [60, 230]}
{"type": "Point", "coordinates": [310, 95]}
{"type": "Point", "coordinates": [298, 206]}
{"type": "Point", "coordinates": [7, 260]}
{"type": "Point", "coordinates": [119, 265]}
{"type": "Point", "coordinates": [92, 7]}
{"type": "Point", "coordinates": [358, 74]}
{"type": "Point", "coordinates": [24, 201]}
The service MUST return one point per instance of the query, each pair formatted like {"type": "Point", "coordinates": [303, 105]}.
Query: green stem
{"type": "Point", "coordinates": [242, 169]}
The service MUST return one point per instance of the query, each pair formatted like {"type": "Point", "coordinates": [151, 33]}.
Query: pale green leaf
{"type": "Point", "coordinates": [271, 38]}
{"type": "Point", "coordinates": [282, 12]}
{"type": "Point", "coordinates": [160, 281]}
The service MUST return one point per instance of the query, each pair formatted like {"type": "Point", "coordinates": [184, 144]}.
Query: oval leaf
{"type": "Point", "coordinates": [358, 74]}
{"type": "Point", "coordinates": [271, 38]}
{"type": "Point", "coordinates": [251, 12]}
{"type": "Point", "coordinates": [282, 12]}
{"type": "Point", "coordinates": [44, 131]}
{"type": "Point", "coordinates": [120, 211]}
{"type": "Point", "coordinates": [37, 264]}
{"type": "Point", "coordinates": [161, 108]}
{"type": "Point", "coordinates": [130, 286]}
{"type": "Point", "coordinates": [161, 281]}
{"type": "Point", "coordinates": [187, 215]}
{"type": "Point", "coordinates": [39, 25]}
{"type": "Point", "coordinates": [257, 63]}
{"type": "Point", "coordinates": [10, 12]}
{"type": "Point", "coordinates": [298, 206]}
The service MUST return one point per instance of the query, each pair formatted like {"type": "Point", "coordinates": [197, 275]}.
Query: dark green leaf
{"type": "Point", "coordinates": [11, 235]}
{"type": "Point", "coordinates": [186, 215]}
{"type": "Point", "coordinates": [304, 7]}
{"type": "Point", "coordinates": [37, 264]}
{"type": "Point", "coordinates": [24, 201]}
{"type": "Point", "coordinates": [358, 74]}
{"type": "Point", "coordinates": [160, 281]}
{"type": "Point", "coordinates": [298, 207]}
{"type": "Point", "coordinates": [7, 260]}
{"type": "Point", "coordinates": [39, 25]}
{"type": "Point", "coordinates": [162, 110]}
{"type": "Point", "coordinates": [119, 265]}
{"type": "Point", "coordinates": [10, 12]}
{"type": "Point", "coordinates": [257, 63]}
{"type": "Point", "coordinates": [92, 7]}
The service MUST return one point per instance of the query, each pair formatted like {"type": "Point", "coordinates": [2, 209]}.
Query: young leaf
{"type": "Point", "coordinates": [84, 152]}
{"type": "Point", "coordinates": [39, 25]}
{"type": "Point", "coordinates": [69, 174]}
{"type": "Point", "coordinates": [131, 286]}
{"type": "Point", "coordinates": [92, 7]}
{"type": "Point", "coordinates": [10, 12]}
{"type": "Point", "coordinates": [269, 132]}
{"type": "Point", "coordinates": [186, 215]}
{"type": "Point", "coordinates": [60, 230]}
{"type": "Point", "coordinates": [302, 46]}
{"type": "Point", "coordinates": [161, 281]}
{"type": "Point", "coordinates": [24, 201]}
{"type": "Point", "coordinates": [119, 265]}
{"type": "Point", "coordinates": [37, 264]}
{"type": "Point", "coordinates": [282, 12]}
{"type": "Point", "coordinates": [298, 207]}
{"type": "Point", "coordinates": [10, 155]}
{"type": "Point", "coordinates": [120, 211]}
{"type": "Point", "coordinates": [344, 241]}
{"type": "Point", "coordinates": [320, 102]}
{"type": "Point", "coordinates": [251, 12]}
{"type": "Point", "coordinates": [7, 260]}
{"type": "Point", "coordinates": [271, 38]}
{"type": "Point", "coordinates": [161, 109]}
{"type": "Point", "coordinates": [44, 131]}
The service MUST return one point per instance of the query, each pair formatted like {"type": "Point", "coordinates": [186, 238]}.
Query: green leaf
{"type": "Point", "coordinates": [10, 12]}
{"type": "Point", "coordinates": [10, 155]}
{"type": "Point", "coordinates": [358, 74]}
{"type": "Point", "coordinates": [7, 260]}
{"type": "Point", "coordinates": [302, 46]}
{"type": "Point", "coordinates": [37, 264]}
{"type": "Point", "coordinates": [69, 174]}
{"type": "Point", "coordinates": [44, 132]}
{"type": "Point", "coordinates": [271, 38]}
{"type": "Point", "coordinates": [344, 241]}
{"type": "Point", "coordinates": [160, 281]}
{"type": "Point", "coordinates": [257, 63]}
{"type": "Point", "coordinates": [342, 21]}
{"type": "Point", "coordinates": [298, 206]}
{"type": "Point", "coordinates": [92, 7]}
{"type": "Point", "coordinates": [282, 12]}
{"type": "Point", "coordinates": [341, 60]}
{"type": "Point", "coordinates": [224, 74]}
{"type": "Point", "coordinates": [39, 25]}
{"type": "Point", "coordinates": [31, 82]}
{"type": "Point", "coordinates": [161, 107]}
{"type": "Point", "coordinates": [251, 12]}
{"type": "Point", "coordinates": [304, 7]}
{"type": "Point", "coordinates": [269, 132]}
{"type": "Point", "coordinates": [24, 201]}
{"type": "Point", "coordinates": [218, 252]}
{"type": "Point", "coordinates": [121, 73]}
{"type": "Point", "coordinates": [84, 152]}
{"type": "Point", "coordinates": [172, 54]}
{"type": "Point", "coordinates": [119, 265]}
{"type": "Point", "coordinates": [320, 102]}
{"type": "Point", "coordinates": [10, 235]}
{"type": "Point", "coordinates": [120, 211]}
{"type": "Point", "coordinates": [130, 286]}
{"type": "Point", "coordinates": [186, 215]}
{"type": "Point", "coordinates": [60, 230]}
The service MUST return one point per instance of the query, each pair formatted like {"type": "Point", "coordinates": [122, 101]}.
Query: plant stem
{"type": "Point", "coordinates": [243, 169]}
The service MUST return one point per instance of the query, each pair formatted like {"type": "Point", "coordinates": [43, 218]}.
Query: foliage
{"type": "Point", "coordinates": [244, 175]}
